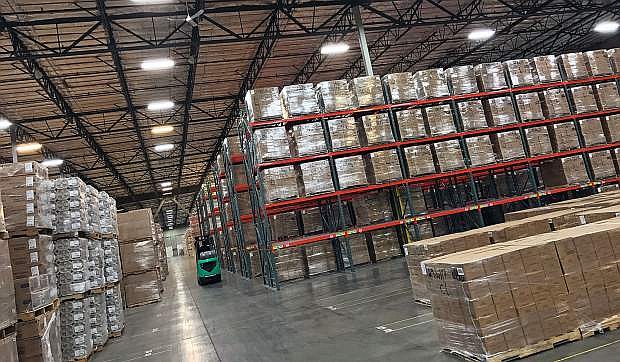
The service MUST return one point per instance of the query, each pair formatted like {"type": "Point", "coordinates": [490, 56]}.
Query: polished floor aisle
{"type": "Point", "coordinates": [363, 316]}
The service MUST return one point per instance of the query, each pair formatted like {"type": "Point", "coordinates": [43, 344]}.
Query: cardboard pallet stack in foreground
{"type": "Point", "coordinates": [8, 317]}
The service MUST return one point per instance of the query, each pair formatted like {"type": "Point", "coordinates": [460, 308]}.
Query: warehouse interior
{"type": "Point", "coordinates": [325, 180]}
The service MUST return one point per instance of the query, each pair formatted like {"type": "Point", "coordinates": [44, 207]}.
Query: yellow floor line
{"type": "Point", "coordinates": [587, 351]}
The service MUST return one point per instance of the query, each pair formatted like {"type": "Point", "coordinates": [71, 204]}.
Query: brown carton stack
{"type": "Point", "coordinates": [368, 91]}
{"type": "Point", "coordinates": [574, 65]}
{"type": "Point", "coordinates": [377, 128]}
{"type": "Point", "coordinates": [280, 183]}
{"type": "Point", "coordinates": [309, 138]}
{"type": "Point", "coordinates": [400, 87]}
{"type": "Point", "coordinates": [611, 127]}
{"type": "Point", "coordinates": [598, 62]}
{"type": "Point", "coordinates": [555, 103]}
{"type": "Point", "coordinates": [320, 257]}
{"type": "Point", "coordinates": [335, 95]}
{"type": "Point", "coordinates": [431, 83]}
{"type": "Point", "coordinates": [592, 131]}
{"type": "Point", "coordinates": [351, 171]}
{"type": "Point", "coordinates": [263, 103]}
{"type": "Point", "coordinates": [546, 69]}
{"type": "Point", "coordinates": [38, 339]}
{"type": "Point", "coordinates": [289, 263]}
{"type": "Point", "coordinates": [529, 106]}
{"type": "Point", "coordinates": [439, 119]}
{"type": "Point", "coordinates": [602, 165]}
{"type": "Point", "coordinates": [490, 76]}
{"type": "Point", "coordinates": [419, 160]}
{"type": "Point", "coordinates": [520, 72]}
{"type": "Point", "coordinates": [564, 171]}
{"type": "Point", "coordinates": [607, 95]}
{"type": "Point", "coordinates": [372, 208]}
{"type": "Point", "coordinates": [385, 242]}
{"type": "Point", "coordinates": [563, 136]}
{"type": "Point", "coordinates": [583, 97]}
{"type": "Point", "coordinates": [462, 80]}
{"type": "Point", "coordinates": [614, 57]}
{"type": "Point", "coordinates": [141, 281]}
{"type": "Point", "coordinates": [595, 215]}
{"type": "Point", "coordinates": [508, 145]}
{"type": "Point", "coordinates": [449, 156]}
{"type": "Point", "coordinates": [316, 177]}
{"type": "Point", "coordinates": [8, 348]}
{"type": "Point", "coordinates": [359, 249]}
{"type": "Point", "coordinates": [385, 166]}
{"type": "Point", "coordinates": [480, 150]}
{"type": "Point", "coordinates": [343, 133]}
{"type": "Point", "coordinates": [411, 123]}
{"type": "Point", "coordinates": [7, 288]}
{"type": "Point", "coordinates": [538, 140]}
{"type": "Point", "coordinates": [499, 111]}
{"type": "Point", "coordinates": [472, 115]}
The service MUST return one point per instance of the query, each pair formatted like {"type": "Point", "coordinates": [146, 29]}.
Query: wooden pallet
{"type": "Point", "coordinates": [522, 352]}
{"type": "Point", "coordinates": [97, 290]}
{"type": "Point", "coordinates": [82, 359]}
{"type": "Point", "coordinates": [108, 236]}
{"type": "Point", "coordinates": [143, 303]}
{"type": "Point", "coordinates": [77, 234]}
{"type": "Point", "coordinates": [75, 296]}
{"type": "Point", "coordinates": [7, 330]}
{"type": "Point", "coordinates": [4, 235]}
{"type": "Point", "coordinates": [28, 316]}
{"type": "Point", "coordinates": [117, 333]}
{"type": "Point", "coordinates": [609, 324]}
{"type": "Point", "coordinates": [31, 232]}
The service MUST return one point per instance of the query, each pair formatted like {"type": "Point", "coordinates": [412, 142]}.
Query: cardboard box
{"type": "Point", "coordinates": [499, 111]}
{"type": "Point", "coordinates": [290, 264]}
{"type": "Point", "coordinates": [377, 128]}
{"type": "Point", "coordinates": [385, 166]}
{"type": "Point", "coordinates": [39, 339]}
{"type": "Point", "coordinates": [546, 69]}
{"type": "Point", "coordinates": [440, 120]}
{"type": "Point", "coordinates": [7, 289]}
{"type": "Point", "coordinates": [538, 140]}
{"type": "Point", "coordinates": [419, 160]}
{"type": "Point", "coordinates": [592, 131]}
{"type": "Point", "coordinates": [263, 104]}
{"type": "Point", "coordinates": [519, 72]}
{"type": "Point", "coordinates": [611, 127]}
{"type": "Point", "coordinates": [480, 150]}
{"type": "Point", "coordinates": [472, 115]}
{"type": "Point", "coordinates": [555, 103]}
{"type": "Point", "coordinates": [490, 76]}
{"type": "Point", "coordinates": [359, 250]}
{"type": "Point", "coordinates": [320, 257]}
{"type": "Point", "coordinates": [75, 327]}
{"type": "Point", "coordinates": [115, 313]}
{"type": "Point", "coordinates": [309, 139]}
{"type": "Point", "coordinates": [449, 155]}
{"type": "Point", "coordinates": [614, 57]}
{"type": "Point", "coordinates": [574, 65]}
{"type": "Point", "coordinates": [508, 145]}
{"type": "Point", "coordinates": [284, 225]}
{"type": "Point", "coordinates": [431, 83]}
{"type": "Point", "coordinates": [529, 106]}
{"type": "Point", "coordinates": [584, 99]}
{"type": "Point", "coordinates": [351, 171]}
{"type": "Point", "coordinates": [312, 220]}
{"type": "Point", "coordinates": [564, 171]}
{"type": "Point", "coordinates": [8, 348]}
{"type": "Point", "coordinates": [336, 95]}
{"type": "Point", "coordinates": [343, 133]}
{"type": "Point", "coordinates": [299, 100]}
{"type": "Point", "coordinates": [271, 143]}
{"type": "Point", "coordinates": [563, 136]}
{"type": "Point", "coordinates": [400, 87]}
{"type": "Point", "coordinates": [372, 208]}
{"type": "Point", "coordinates": [138, 256]}
{"type": "Point", "coordinates": [594, 215]}
{"type": "Point", "coordinates": [280, 183]}
{"type": "Point", "coordinates": [607, 95]}
{"type": "Point", "coordinates": [602, 165]}
{"type": "Point", "coordinates": [385, 243]}
{"type": "Point", "coordinates": [316, 176]}
{"type": "Point", "coordinates": [368, 91]}
{"type": "Point", "coordinates": [411, 123]}
{"type": "Point", "coordinates": [598, 62]}
{"type": "Point", "coordinates": [140, 289]}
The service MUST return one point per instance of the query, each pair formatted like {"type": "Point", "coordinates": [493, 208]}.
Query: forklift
{"type": "Point", "coordinates": [208, 266]}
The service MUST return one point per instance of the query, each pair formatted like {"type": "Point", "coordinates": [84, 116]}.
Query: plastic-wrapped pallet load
{"type": "Point", "coordinates": [107, 214]}
{"type": "Point", "coordinates": [336, 95]}
{"type": "Point", "coordinates": [111, 260]}
{"type": "Point", "coordinates": [141, 289]}
{"type": "Point", "coordinates": [385, 243]}
{"type": "Point", "coordinates": [538, 140]}
{"type": "Point", "coordinates": [359, 250]}
{"type": "Point", "coordinates": [372, 208]}
{"type": "Point", "coordinates": [115, 314]}
{"type": "Point", "coordinates": [602, 165]}
{"type": "Point", "coordinates": [320, 257]}
{"type": "Point", "coordinates": [462, 79]}
{"type": "Point", "coordinates": [96, 273]}
{"type": "Point", "coordinates": [555, 103]}
{"type": "Point", "coordinates": [280, 183]}
{"type": "Point", "coordinates": [138, 256]}
{"type": "Point", "coordinates": [490, 76]}
{"type": "Point", "coordinates": [284, 225]}
{"type": "Point", "coordinates": [368, 91]}
{"type": "Point", "coordinates": [400, 87]}
{"type": "Point", "coordinates": [583, 97]}
{"type": "Point", "coordinates": [431, 83]}
{"type": "Point", "coordinates": [508, 145]}
{"type": "Point", "coordinates": [76, 339]}
{"type": "Point", "coordinates": [263, 104]}
{"type": "Point", "coordinates": [343, 132]}
{"type": "Point", "coordinates": [440, 120]}
{"type": "Point", "coordinates": [299, 100]}
{"type": "Point", "coordinates": [94, 214]}
{"type": "Point", "coordinates": [39, 339]}
{"type": "Point", "coordinates": [529, 106]}
{"type": "Point", "coordinates": [312, 220]}
{"type": "Point", "coordinates": [419, 160]}
{"type": "Point", "coordinates": [499, 111]}
{"type": "Point", "coordinates": [317, 177]}
{"type": "Point", "coordinates": [351, 172]}
{"type": "Point", "coordinates": [289, 264]}
{"type": "Point", "coordinates": [480, 150]}
{"type": "Point", "coordinates": [547, 69]}
{"type": "Point", "coordinates": [607, 95]}
{"type": "Point", "coordinates": [411, 123]}
{"type": "Point", "coordinates": [377, 128]}
{"type": "Point", "coordinates": [520, 72]}
{"type": "Point", "coordinates": [7, 288]}
{"type": "Point", "coordinates": [592, 131]}
{"type": "Point", "coordinates": [72, 214]}
{"type": "Point", "coordinates": [574, 65]}
{"type": "Point", "coordinates": [449, 156]}
{"type": "Point", "coordinates": [98, 319]}
{"type": "Point", "coordinates": [472, 115]}
{"type": "Point", "coordinates": [72, 269]}
{"type": "Point", "coordinates": [598, 62]}
{"type": "Point", "coordinates": [385, 166]}
{"type": "Point", "coordinates": [563, 136]}
{"type": "Point", "coordinates": [309, 139]}
{"type": "Point", "coordinates": [569, 170]}
{"type": "Point", "coordinates": [614, 57]}
{"type": "Point", "coordinates": [271, 143]}
{"type": "Point", "coordinates": [611, 126]}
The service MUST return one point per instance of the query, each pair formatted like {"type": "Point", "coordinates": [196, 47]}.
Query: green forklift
{"type": "Point", "coordinates": [208, 266]}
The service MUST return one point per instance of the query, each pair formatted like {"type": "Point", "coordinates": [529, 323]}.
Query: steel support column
{"type": "Point", "coordinates": [362, 38]}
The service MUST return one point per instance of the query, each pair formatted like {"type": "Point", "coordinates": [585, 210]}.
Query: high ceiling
{"type": "Point", "coordinates": [71, 79]}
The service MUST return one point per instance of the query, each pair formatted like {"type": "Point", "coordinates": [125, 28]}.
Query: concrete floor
{"type": "Point", "coordinates": [363, 316]}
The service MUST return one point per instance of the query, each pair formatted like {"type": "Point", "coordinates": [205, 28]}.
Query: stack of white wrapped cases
{"type": "Point", "coordinates": [75, 330]}
{"type": "Point", "coordinates": [98, 320]}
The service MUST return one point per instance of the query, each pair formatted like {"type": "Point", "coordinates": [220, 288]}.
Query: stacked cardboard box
{"type": "Point", "coordinates": [289, 263]}
{"type": "Point", "coordinates": [419, 160]}
{"type": "Point", "coordinates": [538, 140]}
{"type": "Point", "coordinates": [439, 119]}
{"type": "Point", "coordinates": [141, 281]}
{"type": "Point", "coordinates": [546, 69]}
{"type": "Point", "coordinates": [574, 65]}
{"type": "Point", "coordinates": [309, 139]}
{"type": "Point", "coordinates": [336, 95]}
{"type": "Point", "coordinates": [359, 250]}
{"type": "Point", "coordinates": [499, 111]}
{"type": "Point", "coordinates": [431, 83]}
{"type": "Point", "coordinates": [592, 131]}
{"type": "Point", "coordinates": [284, 225]}
{"type": "Point", "coordinates": [614, 57]}
{"type": "Point", "coordinates": [583, 98]}
{"type": "Point", "coordinates": [594, 215]}
{"type": "Point", "coordinates": [508, 145]}
{"type": "Point", "coordinates": [385, 243]}
{"type": "Point", "coordinates": [603, 199]}
{"type": "Point", "coordinates": [8, 347]}
{"type": "Point", "coordinates": [607, 95]}
{"type": "Point", "coordinates": [563, 136]}
{"type": "Point", "coordinates": [343, 133]}
{"type": "Point", "coordinates": [555, 103]}
{"type": "Point", "coordinates": [320, 257]}
{"type": "Point", "coordinates": [271, 143]}
{"type": "Point", "coordinates": [312, 220]}
{"type": "Point", "coordinates": [602, 165]}
{"type": "Point", "coordinates": [368, 91]}
{"type": "Point", "coordinates": [7, 288]}
{"type": "Point", "coordinates": [316, 177]}
{"type": "Point", "coordinates": [400, 87]}
{"type": "Point", "coordinates": [611, 127]}
{"type": "Point", "coordinates": [299, 100]}
{"type": "Point", "coordinates": [472, 115]}
{"type": "Point", "coordinates": [449, 156]}
{"type": "Point", "coordinates": [411, 123]}
{"type": "Point", "coordinates": [263, 104]}
{"type": "Point", "coordinates": [529, 106]}
{"type": "Point", "coordinates": [462, 80]}
{"type": "Point", "coordinates": [490, 76]}
{"type": "Point", "coordinates": [351, 171]}
{"type": "Point", "coordinates": [377, 128]}
{"type": "Point", "coordinates": [280, 183]}
{"type": "Point", "coordinates": [564, 171]}
{"type": "Point", "coordinates": [161, 250]}
{"type": "Point", "coordinates": [38, 339]}
{"type": "Point", "coordinates": [372, 208]}
{"type": "Point", "coordinates": [598, 62]}
{"type": "Point", "coordinates": [480, 150]}
{"type": "Point", "coordinates": [385, 166]}
{"type": "Point", "coordinates": [519, 72]}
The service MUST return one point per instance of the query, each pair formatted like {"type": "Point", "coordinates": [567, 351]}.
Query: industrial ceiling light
{"type": "Point", "coordinates": [481, 34]}
{"type": "Point", "coordinates": [164, 147]}
{"type": "Point", "coordinates": [28, 147]}
{"type": "Point", "coordinates": [607, 27]}
{"type": "Point", "coordinates": [166, 184]}
{"type": "Point", "coordinates": [162, 129]}
{"type": "Point", "coordinates": [5, 123]}
{"type": "Point", "coordinates": [160, 105]}
{"type": "Point", "coordinates": [54, 162]}
{"type": "Point", "coordinates": [157, 64]}
{"type": "Point", "coordinates": [167, 189]}
{"type": "Point", "coordinates": [334, 48]}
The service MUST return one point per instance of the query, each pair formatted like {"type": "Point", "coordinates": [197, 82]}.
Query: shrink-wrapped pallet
{"type": "Point", "coordinates": [107, 214]}
{"type": "Point", "coordinates": [72, 266]}
{"type": "Point", "coordinates": [289, 263]}
{"type": "Point", "coordinates": [555, 103]}
{"type": "Point", "coordinates": [431, 83]}
{"type": "Point", "coordinates": [583, 97]}
{"type": "Point", "coordinates": [299, 100]}
{"type": "Point", "coordinates": [351, 172]}
{"type": "Point", "coordinates": [234, 144]}
{"type": "Point", "coordinates": [309, 138]}
{"type": "Point", "coordinates": [419, 160]}
{"type": "Point", "coordinates": [462, 79]}
{"type": "Point", "coordinates": [564, 171]}
{"type": "Point", "coordinates": [520, 72]}
{"type": "Point", "coordinates": [284, 225]}
{"type": "Point", "coordinates": [611, 126]}
{"type": "Point", "coordinates": [607, 95]}
{"type": "Point", "coordinates": [563, 136]}
{"type": "Point", "coordinates": [372, 208]}
{"type": "Point", "coordinates": [7, 287]}
{"type": "Point", "coordinates": [280, 183]}
{"type": "Point", "coordinates": [480, 150]}
{"type": "Point", "coordinates": [94, 214]}
{"type": "Point", "coordinates": [263, 104]}
{"type": "Point", "coordinates": [400, 87]}
{"type": "Point", "coordinates": [592, 131]}
{"type": "Point", "coordinates": [98, 319]}
{"type": "Point", "coordinates": [575, 65]}
{"type": "Point", "coordinates": [271, 143]}
{"type": "Point", "coordinates": [449, 156]}
{"type": "Point", "coordinates": [614, 57]}
{"type": "Point", "coordinates": [343, 133]}
{"type": "Point", "coordinates": [499, 111]}
{"type": "Point", "coordinates": [385, 166]}
{"type": "Point", "coordinates": [138, 257]}
{"type": "Point", "coordinates": [359, 250]}
{"type": "Point", "coordinates": [602, 165]}
{"type": "Point", "coordinates": [72, 207]}
{"type": "Point", "coordinates": [336, 95]}
{"type": "Point", "coordinates": [8, 347]}
{"type": "Point", "coordinates": [508, 145]}
{"type": "Point", "coordinates": [529, 106]}
{"type": "Point", "coordinates": [385, 243]}
{"type": "Point", "coordinates": [39, 339]}
{"type": "Point", "coordinates": [411, 123]}
{"type": "Point", "coordinates": [440, 120]}
{"type": "Point", "coordinates": [312, 220]}
{"type": "Point", "coordinates": [546, 69]}
{"type": "Point", "coordinates": [368, 91]}
{"type": "Point", "coordinates": [598, 62]}
{"type": "Point", "coordinates": [75, 337]}
{"type": "Point", "coordinates": [490, 76]}
{"type": "Point", "coordinates": [320, 257]}
{"type": "Point", "coordinates": [472, 115]}
{"type": "Point", "coordinates": [377, 128]}
{"type": "Point", "coordinates": [538, 140]}
{"type": "Point", "coordinates": [112, 270]}
{"type": "Point", "coordinates": [141, 289]}
{"type": "Point", "coordinates": [316, 177]}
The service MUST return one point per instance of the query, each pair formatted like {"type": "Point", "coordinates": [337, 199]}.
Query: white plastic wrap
{"type": "Point", "coordinates": [462, 79]}
{"type": "Point", "coordinates": [602, 165]}
{"type": "Point", "coordinates": [509, 145]}
{"type": "Point", "coordinates": [607, 95]}
{"type": "Point", "coordinates": [75, 333]}
{"type": "Point", "coordinates": [98, 319]}
{"type": "Point", "coordinates": [583, 97]}
{"type": "Point", "coordinates": [574, 65]}
{"type": "Point", "coordinates": [377, 128]}
{"type": "Point", "coordinates": [564, 136]}
{"type": "Point", "coordinates": [440, 119]}
{"type": "Point", "coordinates": [480, 150]}
{"type": "Point", "coordinates": [72, 209]}
{"type": "Point", "coordinates": [449, 155]}
{"type": "Point", "coordinates": [351, 171]}
{"type": "Point", "coordinates": [368, 91]}
{"type": "Point", "coordinates": [592, 131]}
{"type": "Point", "coordinates": [316, 177]}
{"type": "Point", "coordinates": [400, 87]}
{"type": "Point", "coordinates": [263, 104]}
{"type": "Point", "coordinates": [420, 160]}
{"type": "Point", "coordinates": [520, 72]}
{"type": "Point", "coordinates": [490, 76]}
{"type": "Point", "coordinates": [107, 214]}
{"type": "Point", "coordinates": [343, 132]}
{"type": "Point", "coordinates": [614, 58]}
{"type": "Point", "coordinates": [309, 138]}
{"type": "Point", "coordinates": [598, 62]}
{"type": "Point", "coordinates": [500, 111]}
{"type": "Point", "coordinates": [96, 273]}
{"type": "Point", "coordinates": [411, 123]}
{"type": "Point", "coordinates": [114, 309]}
{"type": "Point", "coordinates": [538, 140]}
{"type": "Point", "coordinates": [336, 95]}
{"type": "Point", "coordinates": [280, 183]}
{"type": "Point", "coordinates": [94, 214]}
{"type": "Point", "coordinates": [431, 83]}
{"type": "Point", "coordinates": [72, 270]}
{"type": "Point", "coordinates": [556, 103]}
{"type": "Point", "coordinates": [529, 106]}
{"type": "Point", "coordinates": [386, 166]}
{"type": "Point", "coordinates": [111, 260]}
{"type": "Point", "coordinates": [299, 100]}
{"type": "Point", "coordinates": [547, 69]}
{"type": "Point", "coordinates": [472, 115]}
{"type": "Point", "coordinates": [272, 143]}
